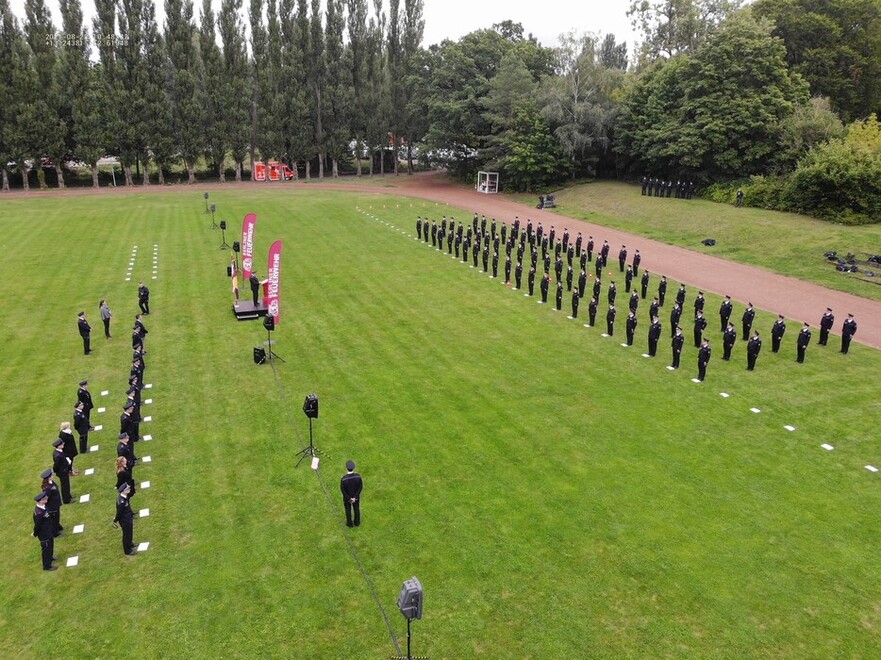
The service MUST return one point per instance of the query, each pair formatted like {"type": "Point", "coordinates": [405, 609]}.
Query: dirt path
{"type": "Point", "coordinates": [797, 300]}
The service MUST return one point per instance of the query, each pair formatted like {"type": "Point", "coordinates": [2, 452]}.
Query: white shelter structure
{"type": "Point", "coordinates": [488, 182]}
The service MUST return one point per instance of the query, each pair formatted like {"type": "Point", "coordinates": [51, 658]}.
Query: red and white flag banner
{"type": "Point", "coordinates": [248, 226]}
{"type": "Point", "coordinates": [272, 298]}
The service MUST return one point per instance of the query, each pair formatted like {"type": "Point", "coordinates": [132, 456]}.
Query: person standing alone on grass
{"type": "Point", "coordinates": [351, 486]}
{"type": "Point", "coordinates": [85, 332]}
{"type": "Point", "coordinates": [143, 298]}
{"type": "Point", "coordinates": [105, 317]}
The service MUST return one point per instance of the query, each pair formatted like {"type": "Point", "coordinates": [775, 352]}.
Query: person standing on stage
{"type": "Point", "coordinates": [255, 287]}
{"type": "Point", "coordinates": [143, 298]}
{"type": "Point", "coordinates": [85, 332]}
{"type": "Point", "coordinates": [105, 317]}
{"type": "Point", "coordinates": [351, 486]}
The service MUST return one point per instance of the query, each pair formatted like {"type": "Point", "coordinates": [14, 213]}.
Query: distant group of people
{"type": "Point", "coordinates": [653, 187]}
{"type": "Point", "coordinates": [481, 243]}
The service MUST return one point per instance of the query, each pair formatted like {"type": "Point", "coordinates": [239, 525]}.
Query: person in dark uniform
{"type": "Point", "coordinates": [85, 332]}
{"type": "Point", "coordinates": [703, 359]}
{"type": "Point", "coordinates": [651, 186]}
{"type": "Point", "coordinates": [507, 269]}
{"type": "Point", "coordinates": [558, 268]}
{"type": "Point", "coordinates": [255, 287]}
{"type": "Point", "coordinates": [81, 424]}
{"type": "Point", "coordinates": [700, 324]}
{"type": "Point", "coordinates": [83, 395]}
{"type": "Point", "coordinates": [654, 308]}
{"type": "Point", "coordinates": [729, 338]}
{"type": "Point", "coordinates": [433, 233]}
{"type": "Point", "coordinates": [582, 283]}
{"type": "Point", "coordinates": [451, 237]}
{"type": "Point", "coordinates": [565, 239]}
{"type": "Point", "coordinates": [125, 518]}
{"type": "Point", "coordinates": [675, 315]}
{"type": "Point", "coordinates": [644, 184]}
{"type": "Point", "coordinates": [613, 292]}
{"type": "Point", "coordinates": [547, 263]}
{"type": "Point", "coordinates": [579, 240]}
{"type": "Point", "coordinates": [637, 259]}
{"type": "Point", "coordinates": [644, 285]}
{"type": "Point", "coordinates": [630, 327]}
{"type": "Point", "coordinates": [604, 253]}
{"type": "Point", "coordinates": [559, 298]}
{"type": "Point", "coordinates": [680, 295]}
{"type": "Point", "coordinates": [496, 265]}
{"type": "Point", "coordinates": [552, 235]}
{"type": "Point", "coordinates": [351, 486]}
{"type": "Point", "coordinates": [804, 338]}
{"type": "Point", "coordinates": [592, 312]}
{"type": "Point", "coordinates": [530, 280]}
{"type": "Point", "coordinates": [575, 300]}
{"type": "Point", "coordinates": [544, 248]}
{"type": "Point", "coordinates": [662, 290]}
{"type": "Point", "coordinates": [124, 475]}
{"type": "Point", "coordinates": [678, 341]}
{"type": "Point", "coordinates": [753, 348]}
{"type": "Point", "coordinates": [475, 253]}
{"type": "Point", "coordinates": [777, 332]}
{"type": "Point", "coordinates": [419, 227]}
{"type": "Point", "coordinates": [457, 244]}
{"type": "Point", "coordinates": [622, 258]}
{"type": "Point", "coordinates": [569, 276]}
{"type": "Point", "coordinates": [44, 529]}
{"type": "Point", "coordinates": [848, 330]}
{"type": "Point", "coordinates": [518, 275]}
{"type": "Point", "coordinates": [725, 312]}
{"type": "Point", "coordinates": [747, 320]}
{"type": "Point", "coordinates": [533, 258]}
{"type": "Point", "coordinates": [610, 321]}
{"type": "Point", "coordinates": [68, 445]}
{"type": "Point", "coordinates": [124, 448]}
{"type": "Point", "coordinates": [654, 335]}
{"type": "Point", "coordinates": [590, 248]}
{"type": "Point", "coordinates": [634, 302]}
{"type": "Point", "coordinates": [826, 323]}
{"type": "Point", "coordinates": [143, 298]}
{"type": "Point", "coordinates": [486, 258]}
{"type": "Point", "coordinates": [53, 506]}
{"type": "Point", "coordinates": [137, 340]}
{"type": "Point", "coordinates": [628, 279]}
{"type": "Point", "coordinates": [598, 267]}
{"type": "Point", "coordinates": [570, 255]}
{"type": "Point", "coordinates": [545, 285]}
{"type": "Point", "coordinates": [699, 302]}
{"type": "Point", "coordinates": [597, 288]}
{"type": "Point", "coordinates": [504, 233]}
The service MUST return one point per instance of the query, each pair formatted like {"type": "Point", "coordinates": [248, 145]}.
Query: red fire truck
{"type": "Point", "coordinates": [275, 170]}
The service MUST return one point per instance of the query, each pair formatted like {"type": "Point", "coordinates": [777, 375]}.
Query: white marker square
{"type": "Point", "coordinates": [148, 418]}
{"type": "Point", "coordinates": [89, 472]}
{"type": "Point", "coordinates": [84, 498]}
{"type": "Point", "coordinates": [871, 468]}
{"type": "Point", "coordinates": [154, 277]}
{"type": "Point", "coordinates": [724, 395]}
{"type": "Point", "coordinates": [143, 513]}
{"type": "Point", "coordinates": [695, 380]}
{"type": "Point", "coordinates": [99, 427]}
{"type": "Point", "coordinates": [148, 437]}
{"type": "Point", "coordinates": [827, 447]}
{"type": "Point", "coordinates": [789, 428]}
{"type": "Point", "coordinates": [646, 355]}
{"type": "Point", "coordinates": [669, 368]}
{"type": "Point", "coordinates": [94, 448]}
{"type": "Point", "coordinates": [604, 335]}
{"type": "Point", "coordinates": [148, 386]}
{"type": "Point", "coordinates": [148, 401]}
{"type": "Point", "coordinates": [145, 484]}
{"type": "Point", "coordinates": [147, 459]}
{"type": "Point", "coordinates": [73, 561]}
{"type": "Point", "coordinates": [100, 410]}
{"type": "Point", "coordinates": [755, 410]}
{"type": "Point", "coordinates": [105, 392]}
{"type": "Point", "coordinates": [79, 529]}
{"type": "Point", "coordinates": [624, 345]}
{"type": "Point", "coordinates": [143, 547]}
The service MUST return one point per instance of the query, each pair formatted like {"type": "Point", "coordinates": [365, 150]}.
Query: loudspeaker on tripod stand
{"type": "Point", "coordinates": [269, 322]}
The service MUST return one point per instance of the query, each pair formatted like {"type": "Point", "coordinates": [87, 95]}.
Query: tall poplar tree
{"type": "Point", "coordinates": [215, 130]}
{"type": "Point", "coordinates": [158, 119]}
{"type": "Point", "coordinates": [235, 97]}
{"type": "Point", "coordinates": [131, 87]}
{"type": "Point", "coordinates": [317, 71]}
{"type": "Point", "coordinates": [358, 37]}
{"type": "Point", "coordinates": [8, 35]}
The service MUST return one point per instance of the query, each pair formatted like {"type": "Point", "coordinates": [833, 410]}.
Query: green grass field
{"type": "Point", "coordinates": [557, 495]}
{"type": "Point", "coordinates": [786, 243]}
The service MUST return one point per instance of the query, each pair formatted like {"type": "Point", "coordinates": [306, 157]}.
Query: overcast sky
{"type": "Point", "coordinates": [545, 19]}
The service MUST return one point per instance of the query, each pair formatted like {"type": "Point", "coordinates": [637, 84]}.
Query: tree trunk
{"type": "Point", "coordinates": [127, 170]}
{"type": "Point", "coordinates": [382, 162]}
{"type": "Point", "coordinates": [95, 182]}
{"type": "Point", "coordinates": [395, 151]}
{"type": "Point", "coordinates": [409, 158]}
{"type": "Point", "coordinates": [220, 172]}
{"type": "Point", "coordinates": [41, 177]}
{"type": "Point", "coordinates": [5, 180]}
{"type": "Point", "coordinates": [191, 172]}
{"type": "Point", "coordinates": [145, 175]}
{"type": "Point", "coordinates": [161, 176]}
{"type": "Point", "coordinates": [372, 153]}
{"type": "Point", "coordinates": [335, 170]}
{"type": "Point", "coordinates": [320, 165]}
{"type": "Point", "coordinates": [308, 170]}
{"type": "Point", "coordinates": [358, 155]}
{"type": "Point", "coordinates": [60, 174]}
{"type": "Point", "coordinates": [25, 170]}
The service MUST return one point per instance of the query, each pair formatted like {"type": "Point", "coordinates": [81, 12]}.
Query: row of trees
{"type": "Point", "coordinates": [716, 91]}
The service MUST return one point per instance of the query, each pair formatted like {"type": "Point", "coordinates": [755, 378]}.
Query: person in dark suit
{"type": "Point", "coordinates": [53, 506]}
{"type": "Point", "coordinates": [598, 267]}
{"type": "Point", "coordinates": [559, 298]}
{"type": "Point", "coordinates": [777, 332]}
{"type": "Point", "coordinates": [699, 302]}
{"type": "Point", "coordinates": [725, 312]}
{"type": "Point", "coordinates": [85, 332]}
{"type": "Point", "coordinates": [579, 241]}
{"type": "Point", "coordinates": [575, 300]}
{"type": "Point", "coordinates": [680, 295]}
{"type": "Point", "coordinates": [433, 233]}
{"type": "Point", "coordinates": [419, 227]}
{"type": "Point", "coordinates": [613, 292]}
{"type": "Point", "coordinates": [630, 327]}
{"type": "Point", "coordinates": [610, 321]}
{"type": "Point", "coordinates": [633, 304]}
{"type": "Point", "coordinates": [662, 290]}
{"type": "Point", "coordinates": [106, 315]}
{"type": "Point", "coordinates": [68, 444]}
{"type": "Point", "coordinates": [569, 275]}
{"type": "Point", "coordinates": [848, 330]}
{"type": "Point", "coordinates": [496, 265]}
{"type": "Point", "coordinates": [83, 395]}
{"type": "Point", "coordinates": [654, 335]}
{"type": "Point", "coordinates": [804, 338]}
{"type": "Point", "coordinates": [143, 298]}
{"type": "Point", "coordinates": [61, 465]}
{"type": "Point", "coordinates": [747, 319]}
{"type": "Point", "coordinates": [729, 338]}
{"type": "Point", "coordinates": [558, 268]}
{"type": "Point", "coordinates": [124, 448]}
{"type": "Point", "coordinates": [518, 275]}
{"type": "Point", "coordinates": [622, 258]}
{"type": "Point", "coordinates": [654, 308]}
{"type": "Point", "coordinates": [351, 486]}
{"type": "Point", "coordinates": [703, 359]}
{"type": "Point", "coordinates": [565, 239]}
{"type": "Point", "coordinates": [552, 235]}
{"type": "Point", "coordinates": [678, 341]}
{"type": "Point", "coordinates": [531, 280]}
{"type": "Point", "coordinates": [125, 518]}
{"type": "Point", "coordinates": [592, 312]}
{"type": "Point", "coordinates": [604, 253]}
{"type": "Point", "coordinates": [753, 348]}
{"type": "Point", "coordinates": [597, 288]}
{"type": "Point", "coordinates": [582, 283]}
{"type": "Point", "coordinates": [124, 474]}
{"type": "Point", "coordinates": [545, 286]}
{"type": "Point", "coordinates": [590, 248]}
{"type": "Point", "coordinates": [570, 254]}
{"type": "Point", "coordinates": [700, 324]}
{"type": "Point", "coordinates": [486, 258]}
{"type": "Point", "coordinates": [475, 253]}
{"type": "Point", "coordinates": [637, 259]}
{"type": "Point", "coordinates": [137, 340]}
{"type": "Point", "coordinates": [628, 278]}
{"type": "Point", "coordinates": [507, 270]}
{"type": "Point", "coordinates": [675, 315]}
{"type": "Point", "coordinates": [81, 424]}
{"type": "Point", "coordinates": [44, 529]}
{"type": "Point", "coordinates": [255, 287]}
{"type": "Point", "coordinates": [644, 284]}
{"type": "Point", "coordinates": [644, 185]}
{"type": "Point", "coordinates": [826, 323]}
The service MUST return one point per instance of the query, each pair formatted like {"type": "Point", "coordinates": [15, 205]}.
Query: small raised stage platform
{"type": "Point", "coordinates": [245, 310]}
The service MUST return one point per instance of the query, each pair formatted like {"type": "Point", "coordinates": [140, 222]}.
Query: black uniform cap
{"type": "Point", "coordinates": [58, 443]}
{"type": "Point", "coordinates": [84, 382]}
{"type": "Point", "coordinates": [350, 465]}
{"type": "Point", "coordinates": [42, 496]}
{"type": "Point", "coordinates": [123, 488]}
{"type": "Point", "coordinates": [45, 474]}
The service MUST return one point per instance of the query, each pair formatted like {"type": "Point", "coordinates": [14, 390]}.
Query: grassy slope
{"type": "Point", "coordinates": [557, 494]}
{"type": "Point", "coordinates": [782, 242]}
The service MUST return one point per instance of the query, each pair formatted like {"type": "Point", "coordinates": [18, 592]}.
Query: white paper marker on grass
{"type": "Point", "coordinates": [789, 428]}
{"type": "Point", "coordinates": [78, 529]}
{"type": "Point", "coordinates": [73, 561]}
{"type": "Point", "coordinates": [724, 395]}
{"type": "Point", "coordinates": [84, 498]}
{"type": "Point", "coordinates": [143, 513]}
{"type": "Point", "coordinates": [148, 418]}
{"type": "Point", "coordinates": [100, 410]}
{"type": "Point", "coordinates": [94, 447]}
{"type": "Point", "coordinates": [143, 547]}
{"type": "Point", "coordinates": [871, 468]}
{"type": "Point", "coordinates": [89, 472]}
{"type": "Point", "coordinates": [145, 484]}
{"type": "Point", "coordinates": [148, 437]}
{"type": "Point", "coordinates": [827, 447]}
{"type": "Point", "coordinates": [755, 410]}
{"type": "Point", "coordinates": [99, 427]}
{"type": "Point", "coordinates": [146, 459]}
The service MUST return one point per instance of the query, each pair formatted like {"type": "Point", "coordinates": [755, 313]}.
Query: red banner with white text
{"type": "Point", "coordinates": [272, 298]}
{"type": "Point", "coordinates": [248, 226]}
